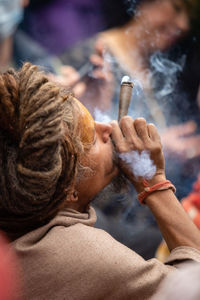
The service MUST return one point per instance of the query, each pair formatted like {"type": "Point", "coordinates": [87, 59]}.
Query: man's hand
{"type": "Point", "coordinates": [139, 136]}
{"type": "Point", "coordinates": [175, 225]}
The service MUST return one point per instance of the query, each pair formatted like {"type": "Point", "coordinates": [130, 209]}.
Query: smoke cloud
{"type": "Point", "coordinates": [140, 163]}
{"type": "Point", "coordinates": [168, 71]}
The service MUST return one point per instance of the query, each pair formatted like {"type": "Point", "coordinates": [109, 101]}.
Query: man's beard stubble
{"type": "Point", "coordinates": [119, 185]}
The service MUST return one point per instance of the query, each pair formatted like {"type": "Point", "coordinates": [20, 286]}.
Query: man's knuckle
{"type": "Point", "coordinates": [125, 120]}
{"type": "Point", "coordinates": [121, 148]}
{"type": "Point", "coordinates": [140, 131]}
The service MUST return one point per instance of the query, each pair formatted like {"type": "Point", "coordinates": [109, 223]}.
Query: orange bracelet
{"type": "Point", "coordinates": [161, 186]}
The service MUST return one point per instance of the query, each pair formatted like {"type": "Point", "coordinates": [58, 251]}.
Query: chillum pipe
{"type": "Point", "coordinates": [125, 96]}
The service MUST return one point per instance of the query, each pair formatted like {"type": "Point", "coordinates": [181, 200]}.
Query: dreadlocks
{"type": "Point", "coordinates": [38, 159]}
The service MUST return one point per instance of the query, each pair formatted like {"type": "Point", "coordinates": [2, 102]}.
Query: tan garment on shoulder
{"type": "Point", "coordinates": [70, 259]}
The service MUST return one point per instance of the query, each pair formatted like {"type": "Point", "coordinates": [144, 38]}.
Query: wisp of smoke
{"type": "Point", "coordinates": [101, 117]}
{"type": "Point", "coordinates": [140, 163]}
{"type": "Point", "coordinates": [168, 71]}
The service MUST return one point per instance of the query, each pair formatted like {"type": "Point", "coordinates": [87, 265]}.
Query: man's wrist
{"type": "Point", "coordinates": [156, 179]}
{"type": "Point", "coordinates": [160, 186]}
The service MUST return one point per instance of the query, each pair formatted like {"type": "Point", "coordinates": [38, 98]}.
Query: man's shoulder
{"type": "Point", "coordinates": [80, 234]}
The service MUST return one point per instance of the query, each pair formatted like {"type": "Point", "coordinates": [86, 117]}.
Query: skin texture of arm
{"type": "Point", "coordinates": [175, 225]}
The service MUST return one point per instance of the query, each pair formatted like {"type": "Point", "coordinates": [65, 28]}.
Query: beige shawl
{"type": "Point", "coordinates": [70, 259]}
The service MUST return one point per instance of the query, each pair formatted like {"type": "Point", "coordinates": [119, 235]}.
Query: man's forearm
{"type": "Point", "coordinates": [174, 223]}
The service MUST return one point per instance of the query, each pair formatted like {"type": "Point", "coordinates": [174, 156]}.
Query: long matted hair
{"type": "Point", "coordinates": [38, 154]}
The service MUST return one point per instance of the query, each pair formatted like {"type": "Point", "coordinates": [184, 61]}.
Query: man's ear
{"type": "Point", "coordinates": [72, 196]}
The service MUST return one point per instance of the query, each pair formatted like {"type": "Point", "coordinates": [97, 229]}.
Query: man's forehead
{"type": "Point", "coordinates": [86, 123]}
{"type": "Point", "coordinates": [83, 109]}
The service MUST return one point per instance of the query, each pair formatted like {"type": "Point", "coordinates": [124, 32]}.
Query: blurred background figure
{"type": "Point", "coordinates": [49, 27]}
{"type": "Point", "coordinates": [155, 26]}
{"type": "Point", "coordinates": [59, 24]}
{"type": "Point", "coordinates": [46, 28]}
{"type": "Point", "coordinates": [11, 15]}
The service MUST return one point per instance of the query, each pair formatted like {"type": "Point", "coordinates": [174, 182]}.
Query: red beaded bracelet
{"type": "Point", "coordinates": [163, 185]}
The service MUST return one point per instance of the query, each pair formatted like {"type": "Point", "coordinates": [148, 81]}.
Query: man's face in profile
{"type": "Point", "coordinates": [98, 161]}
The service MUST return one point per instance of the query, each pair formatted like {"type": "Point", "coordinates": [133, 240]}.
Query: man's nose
{"type": "Point", "coordinates": [104, 130]}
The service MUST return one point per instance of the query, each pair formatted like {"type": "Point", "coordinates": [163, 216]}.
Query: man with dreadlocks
{"type": "Point", "coordinates": [54, 159]}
